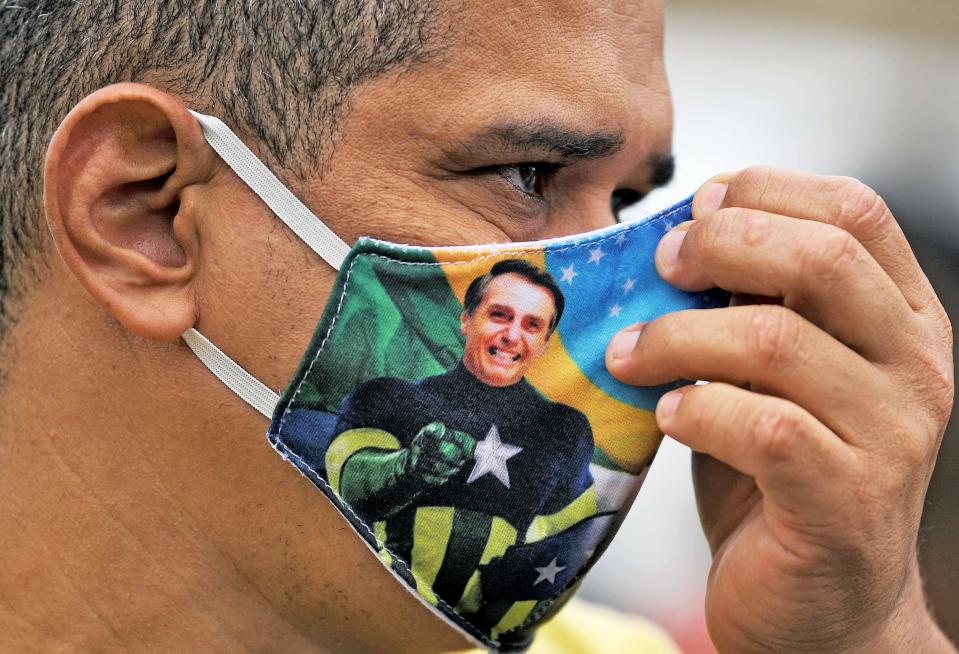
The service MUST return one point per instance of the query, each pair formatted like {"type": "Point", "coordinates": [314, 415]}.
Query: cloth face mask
{"type": "Point", "coordinates": [455, 407]}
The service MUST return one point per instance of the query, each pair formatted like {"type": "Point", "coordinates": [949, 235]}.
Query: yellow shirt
{"type": "Point", "coordinates": [582, 628]}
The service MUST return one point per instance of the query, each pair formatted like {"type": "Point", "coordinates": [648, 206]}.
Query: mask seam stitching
{"type": "Point", "coordinates": [329, 332]}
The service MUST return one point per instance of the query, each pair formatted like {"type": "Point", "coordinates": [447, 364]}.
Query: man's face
{"type": "Point", "coordinates": [523, 127]}
{"type": "Point", "coordinates": [508, 329]}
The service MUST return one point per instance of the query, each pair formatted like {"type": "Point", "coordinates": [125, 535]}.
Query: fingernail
{"type": "Point", "coordinates": [713, 197]}
{"type": "Point", "coordinates": [669, 247]}
{"type": "Point", "coordinates": [624, 343]}
{"type": "Point", "coordinates": [668, 403]}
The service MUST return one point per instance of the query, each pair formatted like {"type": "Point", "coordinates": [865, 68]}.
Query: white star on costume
{"type": "Point", "coordinates": [595, 255]}
{"type": "Point", "coordinates": [628, 286]}
{"type": "Point", "coordinates": [568, 274]}
{"type": "Point", "coordinates": [548, 572]}
{"type": "Point", "coordinates": [620, 240]}
{"type": "Point", "coordinates": [614, 312]}
{"type": "Point", "coordinates": [491, 455]}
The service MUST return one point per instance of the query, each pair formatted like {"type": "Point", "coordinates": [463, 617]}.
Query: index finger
{"type": "Point", "coordinates": [844, 202]}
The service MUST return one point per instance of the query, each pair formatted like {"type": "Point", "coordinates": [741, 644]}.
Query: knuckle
{"type": "Point", "coordinates": [776, 432]}
{"type": "Point", "coordinates": [944, 326]}
{"type": "Point", "coordinates": [913, 453]}
{"type": "Point", "coordinates": [938, 384]}
{"type": "Point", "coordinates": [928, 373]}
{"type": "Point", "coordinates": [754, 228]}
{"type": "Point", "coordinates": [910, 447]}
{"type": "Point", "coordinates": [927, 367]}
{"type": "Point", "coordinates": [939, 322]}
{"type": "Point", "coordinates": [829, 258]}
{"type": "Point", "coordinates": [773, 334]}
{"type": "Point", "coordinates": [859, 210]}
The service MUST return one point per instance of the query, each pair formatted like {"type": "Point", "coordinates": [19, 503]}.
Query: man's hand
{"type": "Point", "coordinates": [819, 431]}
{"type": "Point", "coordinates": [438, 452]}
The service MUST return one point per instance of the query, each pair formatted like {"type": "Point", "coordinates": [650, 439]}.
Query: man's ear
{"type": "Point", "coordinates": [115, 184]}
{"type": "Point", "coordinates": [463, 317]}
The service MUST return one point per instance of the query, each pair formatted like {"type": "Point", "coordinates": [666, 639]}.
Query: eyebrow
{"type": "Point", "coordinates": [509, 309]}
{"type": "Point", "coordinates": [500, 307]}
{"type": "Point", "coordinates": [548, 136]}
{"type": "Point", "coordinates": [571, 144]}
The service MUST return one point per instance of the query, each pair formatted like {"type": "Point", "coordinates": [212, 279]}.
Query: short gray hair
{"type": "Point", "coordinates": [254, 64]}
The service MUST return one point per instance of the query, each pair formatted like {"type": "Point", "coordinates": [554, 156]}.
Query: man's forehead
{"type": "Point", "coordinates": [560, 59]}
{"type": "Point", "coordinates": [584, 67]}
{"type": "Point", "coordinates": [505, 77]}
{"type": "Point", "coordinates": [508, 288]}
{"type": "Point", "coordinates": [620, 37]}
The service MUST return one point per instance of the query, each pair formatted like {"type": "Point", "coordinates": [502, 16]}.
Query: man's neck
{"type": "Point", "coordinates": [104, 555]}
{"type": "Point", "coordinates": [150, 518]}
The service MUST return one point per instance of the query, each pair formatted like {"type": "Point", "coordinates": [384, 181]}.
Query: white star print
{"type": "Point", "coordinates": [595, 255]}
{"type": "Point", "coordinates": [614, 312]}
{"type": "Point", "coordinates": [628, 286]}
{"type": "Point", "coordinates": [568, 274]}
{"type": "Point", "coordinates": [548, 572]}
{"type": "Point", "coordinates": [620, 240]}
{"type": "Point", "coordinates": [491, 455]}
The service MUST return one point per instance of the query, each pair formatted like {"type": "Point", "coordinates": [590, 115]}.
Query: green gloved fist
{"type": "Point", "coordinates": [438, 452]}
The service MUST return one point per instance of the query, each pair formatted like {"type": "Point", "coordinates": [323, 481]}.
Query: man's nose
{"type": "Point", "coordinates": [511, 333]}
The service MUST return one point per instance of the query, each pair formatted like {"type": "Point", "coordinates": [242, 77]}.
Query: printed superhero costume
{"type": "Point", "coordinates": [501, 472]}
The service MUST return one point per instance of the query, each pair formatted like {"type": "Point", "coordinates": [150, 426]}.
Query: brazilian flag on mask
{"type": "Point", "coordinates": [404, 321]}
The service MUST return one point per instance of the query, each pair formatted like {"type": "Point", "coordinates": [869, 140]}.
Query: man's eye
{"type": "Point", "coordinates": [623, 198]}
{"type": "Point", "coordinates": [530, 178]}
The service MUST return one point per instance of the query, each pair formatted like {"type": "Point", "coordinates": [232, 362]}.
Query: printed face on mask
{"type": "Point", "coordinates": [508, 330]}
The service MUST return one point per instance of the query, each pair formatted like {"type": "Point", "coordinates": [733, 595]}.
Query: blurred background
{"type": "Point", "coordinates": [866, 88]}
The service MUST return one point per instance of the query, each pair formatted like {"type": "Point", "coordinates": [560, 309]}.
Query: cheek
{"type": "Point", "coordinates": [435, 210]}
{"type": "Point", "coordinates": [260, 294]}
{"type": "Point", "coordinates": [538, 344]}
{"type": "Point", "coordinates": [491, 330]}
{"type": "Point", "coordinates": [491, 210]}
{"type": "Point", "coordinates": [478, 336]}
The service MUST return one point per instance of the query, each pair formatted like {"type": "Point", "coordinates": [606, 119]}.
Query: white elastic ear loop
{"type": "Point", "coordinates": [249, 388]}
{"type": "Point", "coordinates": [277, 197]}
{"type": "Point", "coordinates": [297, 217]}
